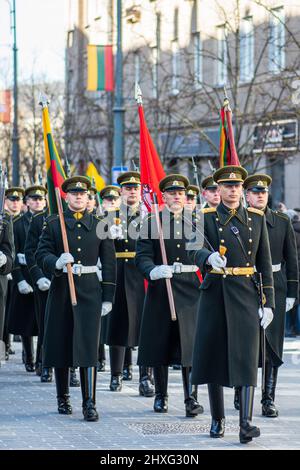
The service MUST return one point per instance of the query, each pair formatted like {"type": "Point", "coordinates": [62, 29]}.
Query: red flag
{"type": "Point", "coordinates": [5, 106]}
{"type": "Point", "coordinates": [150, 165]}
{"type": "Point", "coordinates": [228, 153]}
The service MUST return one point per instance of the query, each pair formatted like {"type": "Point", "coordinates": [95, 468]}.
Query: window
{"type": "Point", "coordinates": [276, 40]}
{"type": "Point", "coordinates": [222, 55]}
{"type": "Point", "coordinates": [246, 49]}
{"type": "Point", "coordinates": [197, 53]}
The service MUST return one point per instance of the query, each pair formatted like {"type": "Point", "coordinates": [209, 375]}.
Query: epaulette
{"type": "Point", "coordinates": [18, 217]}
{"type": "Point", "coordinates": [39, 214]}
{"type": "Point", "coordinates": [206, 210]}
{"type": "Point", "coordinates": [256, 211]}
{"type": "Point", "coordinates": [282, 215]}
{"type": "Point", "coordinates": [51, 218]}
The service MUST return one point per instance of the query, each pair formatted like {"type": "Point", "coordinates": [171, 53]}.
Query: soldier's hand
{"type": "Point", "coordinates": [3, 259]}
{"type": "Point", "coordinates": [116, 231]}
{"type": "Point", "coordinates": [106, 308]}
{"type": "Point", "coordinates": [266, 316]}
{"type": "Point", "coordinates": [24, 287]}
{"type": "Point", "coordinates": [161, 272]}
{"type": "Point", "coordinates": [217, 261]}
{"type": "Point", "coordinates": [43, 283]}
{"type": "Point", "coordinates": [63, 260]}
{"type": "Point", "coordinates": [21, 259]}
{"type": "Point", "coordinates": [289, 303]}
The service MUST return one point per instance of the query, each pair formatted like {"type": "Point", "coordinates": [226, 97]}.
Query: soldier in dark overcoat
{"type": "Point", "coordinates": [285, 274]}
{"type": "Point", "coordinates": [226, 351]}
{"type": "Point", "coordinates": [164, 342]}
{"type": "Point", "coordinates": [71, 337]}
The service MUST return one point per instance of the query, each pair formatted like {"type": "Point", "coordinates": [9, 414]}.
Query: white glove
{"type": "Point", "coordinates": [3, 259]}
{"type": "Point", "coordinates": [266, 317]}
{"type": "Point", "coordinates": [217, 261]}
{"type": "Point", "coordinates": [161, 272]}
{"type": "Point", "coordinates": [63, 260]}
{"type": "Point", "coordinates": [106, 308]}
{"type": "Point", "coordinates": [99, 274]}
{"type": "Point", "coordinates": [9, 277]}
{"type": "Point", "coordinates": [21, 259]}
{"type": "Point", "coordinates": [43, 283]}
{"type": "Point", "coordinates": [116, 231]}
{"type": "Point", "coordinates": [24, 287]}
{"type": "Point", "coordinates": [289, 303]}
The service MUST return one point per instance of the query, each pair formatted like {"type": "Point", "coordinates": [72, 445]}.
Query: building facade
{"type": "Point", "coordinates": [183, 53]}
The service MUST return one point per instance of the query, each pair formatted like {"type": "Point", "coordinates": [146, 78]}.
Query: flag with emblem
{"type": "Point", "coordinates": [150, 165]}
{"type": "Point", "coordinates": [100, 74]}
{"type": "Point", "coordinates": [55, 171]}
{"type": "Point", "coordinates": [228, 153]}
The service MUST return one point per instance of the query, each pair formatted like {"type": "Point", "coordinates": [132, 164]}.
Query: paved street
{"type": "Point", "coordinates": [28, 417]}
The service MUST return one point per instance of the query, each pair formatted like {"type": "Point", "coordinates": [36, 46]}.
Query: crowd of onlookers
{"type": "Point", "coordinates": [292, 326]}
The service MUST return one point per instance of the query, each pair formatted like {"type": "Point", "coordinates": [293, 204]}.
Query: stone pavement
{"type": "Point", "coordinates": [28, 417]}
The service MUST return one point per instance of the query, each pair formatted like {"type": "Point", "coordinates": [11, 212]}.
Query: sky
{"type": "Point", "coordinates": [41, 26]}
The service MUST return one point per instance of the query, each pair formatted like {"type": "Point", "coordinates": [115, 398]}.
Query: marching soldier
{"type": "Point", "coordinates": [226, 351]}
{"type": "Point", "coordinates": [61, 349]}
{"type": "Point", "coordinates": [285, 275]}
{"type": "Point", "coordinates": [22, 316]}
{"type": "Point", "coordinates": [192, 193]}
{"type": "Point", "coordinates": [164, 342]}
{"type": "Point", "coordinates": [110, 196]}
{"type": "Point", "coordinates": [123, 324]}
{"type": "Point", "coordinates": [13, 206]}
{"type": "Point", "coordinates": [210, 192]}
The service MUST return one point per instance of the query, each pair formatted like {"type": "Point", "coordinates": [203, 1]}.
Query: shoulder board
{"type": "Point", "coordinates": [17, 218]}
{"type": "Point", "coordinates": [281, 215]}
{"type": "Point", "coordinates": [207, 210]}
{"type": "Point", "coordinates": [98, 217]}
{"type": "Point", "coordinates": [51, 218]}
{"type": "Point", "coordinates": [255, 211]}
{"type": "Point", "coordinates": [38, 215]}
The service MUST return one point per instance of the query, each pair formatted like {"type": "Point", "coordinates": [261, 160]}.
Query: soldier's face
{"type": "Point", "coordinates": [191, 202]}
{"type": "Point", "coordinates": [231, 194]}
{"type": "Point", "coordinates": [14, 206]}
{"type": "Point", "coordinates": [110, 203]}
{"type": "Point", "coordinates": [91, 204]}
{"type": "Point", "coordinates": [131, 195]}
{"type": "Point", "coordinates": [77, 201]}
{"type": "Point", "coordinates": [212, 196]}
{"type": "Point", "coordinates": [175, 200]}
{"type": "Point", "coordinates": [36, 204]}
{"type": "Point", "coordinates": [259, 200]}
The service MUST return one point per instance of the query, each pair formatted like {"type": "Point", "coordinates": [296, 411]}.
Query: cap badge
{"type": "Point", "coordinates": [232, 176]}
{"type": "Point", "coordinates": [79, 185]}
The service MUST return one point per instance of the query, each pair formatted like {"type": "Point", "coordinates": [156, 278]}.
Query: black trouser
{"type": "Point", "coordinates": [62, 380]}
{"type": "Point", "coordinates": [101, 353]}
{"type": "Point", "coordinates": [216, 401]}
{"type": "Point", "coordinates": [88, 380]}
{"type": "Point", "coordinates": [161, 375]}
{"type": "Point", "coordinates": [117, 355]}
{"type": "Point", "coordinates": [27, 342]}
{"type": "Point", "coordinates": [40, 301]}
{"type": "Point", "coordinates": [128, 357]}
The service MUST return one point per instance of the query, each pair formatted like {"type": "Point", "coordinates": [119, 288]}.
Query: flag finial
{"type": "Point", "coordinates": [43, 101]}
{"type": "Point", "coordinates": [138, 94]}
{"type": "Point", "coordinates": [226, 100]}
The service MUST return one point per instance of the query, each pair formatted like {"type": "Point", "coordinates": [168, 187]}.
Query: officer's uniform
{"type": "Point", "coordinates": [123, 323]}
{"type": "Point", "coordinates": [226, 351]}
{"type": "Point", "coordinates": [164, 342]}
{"type": "Point", "coordinates": [7, 247]}
{"type": "Point", "coordinates": [285, 274]}
{"type": "Point", "coordinates": [22, 316]}
{"type": "Point", "coordinates": [80, 348]}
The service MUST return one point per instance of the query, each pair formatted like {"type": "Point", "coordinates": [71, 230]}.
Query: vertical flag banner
{"type": "Point", "coordinates": [227, 151]}
{"type": "Point", "coordinates": [55, 171]}
{"type": "Point", "coordinates": [93, 174]}
{"type": "Point", "coordinates": [5, 106]}
{"type": "Point", "coordinates": [100, 76]}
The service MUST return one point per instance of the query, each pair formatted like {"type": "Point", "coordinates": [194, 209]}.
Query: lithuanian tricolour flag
{"type": "Point", "coordinates": [100, 75]}
{"type": "Point", "coordinates": [55, 171]}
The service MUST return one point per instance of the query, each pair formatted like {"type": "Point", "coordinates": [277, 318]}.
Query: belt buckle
{"type": "Point", "coordinates": [78, 270]}
{"type": "Point", "coordinates": [177, 268]}
{"type": "Point", "coordinates": [235, 271]}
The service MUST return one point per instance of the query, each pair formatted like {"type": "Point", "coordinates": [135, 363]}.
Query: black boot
{"type": "Point", "coordinates": [236, 400]}
{"type": "Point", "coordinates": [46, 375]}
{"type": "Point", "coordinates": [268, 406]}
{"type": "Point", "coordinates": [161, 389]}
{"type": "Point", "coordinates": [127, 369]}
{"type": "Point", "coordinates": [62, 390]}
{"type": "Point", "coordinates": [117, 354]}
{"type": "Point", "coordinates": [38, 368]}
{"type": "Point", "coordinates": [74, 382]}
{"type": "Point", "coordinates": [192, 407]}
{"type": "Point", "coordinates": [28, 353]}
{"type": "Point", "coordinates": [216, 401]}
{"type": "Point", "coordinates": [88, 379]}
{"type": "Point", "coordinates": [247, 432]}
{"type": "Point", "coordinates": [101, 358]}
{"type": "Point", "coordinates": [146, 388]}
